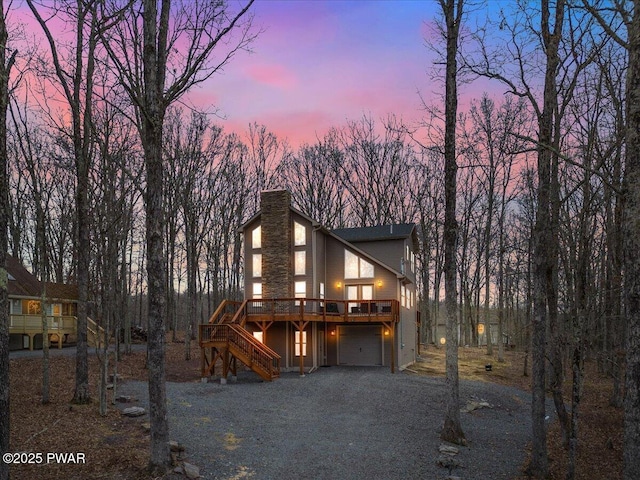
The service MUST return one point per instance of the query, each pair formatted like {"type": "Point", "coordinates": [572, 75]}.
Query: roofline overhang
{"type": "Point", "coordinates": [398, 274]}
{"type": "Point", "coordinates": [33, 297]}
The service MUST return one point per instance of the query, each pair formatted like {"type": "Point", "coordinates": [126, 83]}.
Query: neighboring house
{"type": "Point", "coordinates": [25, 308]}
{"type": "Point", "coordinates": [315, 297]}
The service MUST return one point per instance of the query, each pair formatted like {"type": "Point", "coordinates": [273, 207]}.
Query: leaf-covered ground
{"type": "Point", "coordinates": [116, 448]}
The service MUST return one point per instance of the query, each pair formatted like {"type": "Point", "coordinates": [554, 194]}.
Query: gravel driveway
{"type": "Point", "coordinates": [341, 423]}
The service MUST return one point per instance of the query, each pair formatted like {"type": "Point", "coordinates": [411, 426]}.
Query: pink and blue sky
{"type": "Point", "coordinates": [320, 63]}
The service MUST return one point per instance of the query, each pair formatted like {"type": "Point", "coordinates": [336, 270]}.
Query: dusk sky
{"type": "Point", "coordinates": [318, 64]}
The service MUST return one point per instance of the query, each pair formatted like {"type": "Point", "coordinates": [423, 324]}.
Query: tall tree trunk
{"type": "Point", "coordinates": [542, 239]}
{"type": "Point", "coordinates": [45, 345]}
{"type": "Point", "coordinates": [631, 235]}
{"type": "Point", "coordinates": [5, 68]}
{"type": "Point", "coordinates": [452, 430]}
{"type": "Point", "coordinates": [154, 64]}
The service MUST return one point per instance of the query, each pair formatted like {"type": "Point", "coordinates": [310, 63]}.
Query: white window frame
{"type": "Point", "coordinates": [356, 266]}
{"type": "Point", "coordinates": [299, 290]}
{"type": "Point", "coordinates": [299, 234]}
{"type": "Point", "coordinates": [256, 237]}
{"type": "Point", "coordinates": [300, 262]}
{"type": "Point", "coordinates": [257, 265]}
{"type": "Point", "coordinates": [297, 343]}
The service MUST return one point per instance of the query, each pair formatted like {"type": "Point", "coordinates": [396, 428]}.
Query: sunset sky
{"type": "Point", "coordinates": [318, 64]}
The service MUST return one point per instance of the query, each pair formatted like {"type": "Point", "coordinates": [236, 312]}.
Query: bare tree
{"type": "Point", "coordinates": [452, 11]}
{"type": "Point", "coordinates": [5, 69]}
{"type": "Point", "coordinates": [374, 170]}
{"type": "Point", "coordinates": [628, 14]}
{"type": "Point", "coordinates": [159, 54]}
{"type": "Point", "coordinates": [75, 76]}
{"type": "Point", "coordinates": [323, 201]}
{"type": "Point", "coordinates": [34, 154]}
{"type": "Point", "coordinates": [631, 246]}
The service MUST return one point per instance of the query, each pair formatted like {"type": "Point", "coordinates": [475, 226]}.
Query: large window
{"type": "Point", "coordinates": [300, 290]}
{"type": "Point", "coordinates": [356, 267]}
{"type": "Point", "coordinates": [257, 265]}
{"type": "Point", "coordinates": [300, 343]}
{"type": "Point", "coordinates": [300, 260]}
{"type": "Point", "coordinates": [358, 292]}
{"type": "Point", "coordinates": [256, 237]}
{"type": "Point", "coordinates": [299, 234]}
{"type": "Point", "coordinates": [34, 307]}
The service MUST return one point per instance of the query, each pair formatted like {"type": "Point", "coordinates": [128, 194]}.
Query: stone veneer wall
{"type": "Point", "coordinates": [277, 272]}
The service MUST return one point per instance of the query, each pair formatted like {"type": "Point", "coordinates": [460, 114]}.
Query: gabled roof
{"type": "Point", "coordinates": [23, 284]}
{"type": "Point", "coordinates": [378, 232]}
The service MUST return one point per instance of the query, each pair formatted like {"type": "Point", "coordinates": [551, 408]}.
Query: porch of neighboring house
{"type": "Point", "coordinates": [34, 305]}
{"type": "Point", "coordinates": [60, 329]}
{"type": "Point", "coordinates": [239, 331]}
{"type": "Point", "coordinates": [26, 330]}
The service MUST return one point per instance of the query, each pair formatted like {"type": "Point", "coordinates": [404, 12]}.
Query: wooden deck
{"type": "Point", "coordinates": [317, 310]}
{"type": "Point", "coordinates": [227, 340]}
{"type": "Point", "coordinates": [58, 328]}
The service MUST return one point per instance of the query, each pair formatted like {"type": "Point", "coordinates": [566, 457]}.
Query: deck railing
{"type": "Point", "coordinates": [19, 323]}
{"type": "Point", "coordinates": [255, 352]}
{"type": "Point", "coordinates": [227, 309]}
{"type": "Point", "coordinates": [321, 309]}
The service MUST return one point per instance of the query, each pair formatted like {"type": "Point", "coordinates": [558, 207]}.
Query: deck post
{"type": "Point", "coordinates": [301, 326]}
{"type": "Point", "coordinates": [301, 329]}
{"type": "Point", "coordinates": [392, 333]}
{"type": "Point", "coordinates": [203, 353]}
{"type": "Point", "coordinates": [225, 366]}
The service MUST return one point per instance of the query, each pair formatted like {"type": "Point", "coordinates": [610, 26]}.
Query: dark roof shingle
{"type": "Point", "coordinates": [23, 284]}
{"type": "Point", "coordinates": [379, 232]}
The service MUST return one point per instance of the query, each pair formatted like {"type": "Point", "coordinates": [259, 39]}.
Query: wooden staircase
{"type": "Point", "coordinates": [96, 336]}
{"type": "Point", "coordinates": [228, 341]}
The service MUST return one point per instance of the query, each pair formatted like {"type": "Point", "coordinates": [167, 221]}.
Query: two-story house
{"type": "Point", "coordinates": [25, 308]}
{"type": "Point", "coordinates": [317, 297]}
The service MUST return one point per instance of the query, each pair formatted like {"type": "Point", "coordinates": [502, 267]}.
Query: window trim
{"type": "Point", "coordinates": [361, 264]}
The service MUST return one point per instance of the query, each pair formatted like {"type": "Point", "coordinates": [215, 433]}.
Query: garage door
{"type": "Point", "coordinates": [360, 345]}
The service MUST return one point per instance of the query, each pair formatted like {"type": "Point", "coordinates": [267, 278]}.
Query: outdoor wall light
{"type": "Point", "coordinates": [333, 332]}
{"type": "Point", "coordinates": [386, 332]}
{"type": "Point", "coordinates": [443, 340]}
{"type": "Point", "coordinates": [379, 283]}
{"type": "Point", "coordinates": [338, 284]}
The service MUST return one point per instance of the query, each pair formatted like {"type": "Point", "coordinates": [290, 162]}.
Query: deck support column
{"type": "Point", "coordinates": [301, 326]}
{"type": "Point", "coordinates": [225, 366]}
{"type": "Point", "coordinates": [392, 334]}
{"type": "Point", "coordinates": [203, 355]}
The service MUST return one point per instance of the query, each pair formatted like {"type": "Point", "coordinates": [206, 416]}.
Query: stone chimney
{"type": "Point", "coordinates": [277, 251]}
